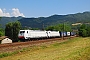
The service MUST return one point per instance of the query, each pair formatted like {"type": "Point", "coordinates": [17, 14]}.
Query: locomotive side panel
{"type": "Point", "coordinates": [38, 34]}
{"type": "Point", "coordinates": [53, 34]}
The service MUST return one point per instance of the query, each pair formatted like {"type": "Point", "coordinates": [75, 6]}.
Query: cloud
{"type": "Point", "coordinates": [5, 14]}
{"type": "Point", "coordinates": [15, 13]}
{"type": "Point", "coordinates": [4, 9]}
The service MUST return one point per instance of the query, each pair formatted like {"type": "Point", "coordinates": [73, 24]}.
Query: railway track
{"type": "Point", "coordinates": [28, 42]}
{"type": "Point", "coordinates": [7, 47]}
{"type": "Point", "coordinates": [31, 42]}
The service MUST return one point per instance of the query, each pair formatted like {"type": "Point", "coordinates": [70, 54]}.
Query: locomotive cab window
{"type": "Point", "coordinates": [22, 32]}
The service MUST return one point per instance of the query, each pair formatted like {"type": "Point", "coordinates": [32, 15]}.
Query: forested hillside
{"type": "Point", "coordinates": [42, 22]}
{"type": "Point", "coordinates": [55, 19]}
{"type": "Point", "coordinates": [5, 20]}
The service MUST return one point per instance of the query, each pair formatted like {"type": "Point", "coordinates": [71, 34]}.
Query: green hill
{"type": "Point", "coordinates": [5, 20]}
{"type": "Point", "coordinates": [41, 22]}
{"type": "Point", "coordinates": [55, 19]}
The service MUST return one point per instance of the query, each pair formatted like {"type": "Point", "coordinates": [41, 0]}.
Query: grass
{"type": "Point", "coordinates": [73, 49]}
{"type": "Point", "coordinates": [8, 54]}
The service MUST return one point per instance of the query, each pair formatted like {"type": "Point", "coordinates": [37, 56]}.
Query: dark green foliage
{"type": "Point", "coordinates": [5, 20]}
{"type": "Point", "coordinates": [48, 21]}
{"type": "Point", "coordinates": [88, 30]}
{"type": "Point", "coordinates": [2, 32]}
{"type": "Point", "coordinates": [25, 28]}
{"type": "Point", "coordinates": [0, 18]}
{"type": "Point", "coordinates": [12, 30]}
{"type": "Point", "coordinates": [16, 28]}
{"type": "Point", "coordinates": [84, 30]}
{"type": "Point", "coordinates": [55, 19]}
{"type": "Point", "coordinates": [9, 30]}
{"type": "Point", "coordinates": [51, 28]}
{"type": "Point", "coordinates": [59, 27]}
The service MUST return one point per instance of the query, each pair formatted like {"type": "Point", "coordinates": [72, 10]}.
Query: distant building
{"type": "Point", "coordinates": [76, 24]}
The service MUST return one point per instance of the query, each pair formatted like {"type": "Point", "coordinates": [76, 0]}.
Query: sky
{"type": "Point", "coordinates": [42, 8]}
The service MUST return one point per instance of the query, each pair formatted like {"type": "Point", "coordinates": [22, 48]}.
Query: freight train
{"type": "Point", "coordinates": [36, 34]}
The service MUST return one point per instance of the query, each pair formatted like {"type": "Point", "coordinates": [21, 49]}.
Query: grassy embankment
{"type": "Point", "coordinates": [74, 49]}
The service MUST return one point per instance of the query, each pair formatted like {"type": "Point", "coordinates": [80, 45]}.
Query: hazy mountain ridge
{"type": "Point", "coordinates": [41, 22]}
{"type": "Point", "coordinates": [5, 20]}
{"type": "Point", "coordinates": [55, 19]}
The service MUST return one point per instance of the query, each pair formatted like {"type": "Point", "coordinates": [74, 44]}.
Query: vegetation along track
{"type": "Point", "coordinates": [20, 45]}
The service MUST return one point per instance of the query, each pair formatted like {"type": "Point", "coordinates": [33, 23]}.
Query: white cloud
{"type": "Point", "coordinates": [4, 9]}
{"type": "Point", "coordinates": [16, 12]}
{"type": "Point", "coordinates": [5, 14]}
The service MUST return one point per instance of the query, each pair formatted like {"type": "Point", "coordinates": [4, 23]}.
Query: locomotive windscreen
{"type": "Point", "coordinates": [22, 32]}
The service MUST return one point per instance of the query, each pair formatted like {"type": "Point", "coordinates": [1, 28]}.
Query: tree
{"type": "Point", "coordinates": [1, 29]}
{"type": "Point", "coordinates": [59, 27]}
{"type": "Point", "coordinates": [2, 32]}
{"type": "Point", "coordinates": [9, 30]}
{"type": "Point", "coordinates": [16, 28]}
{"type": "Point", "coordinates": [0, 18]}
{"type": "Point", "coordinates": [12, 30]}
{"type": "Point", "coordinates": [51, 28]}
{"type": "Point", "coordinates": [88, 30]}
{"type": "Point", "coordinates": [84, 30]}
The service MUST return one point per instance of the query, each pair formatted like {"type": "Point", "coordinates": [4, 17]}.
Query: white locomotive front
{"type": "Point", "coordinates": [28, 34]}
